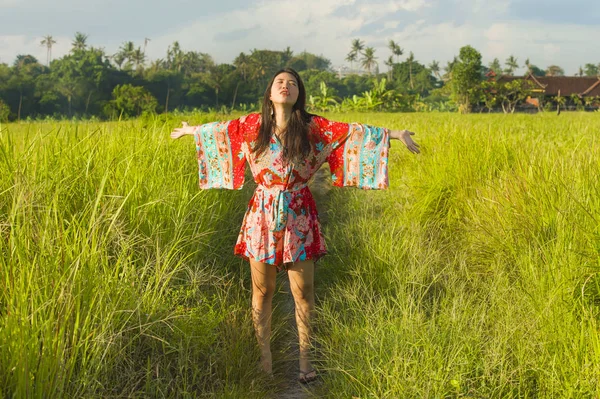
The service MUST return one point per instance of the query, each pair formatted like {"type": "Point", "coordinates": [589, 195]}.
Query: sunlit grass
{"type": "Point", "coordinates": [474, 275]}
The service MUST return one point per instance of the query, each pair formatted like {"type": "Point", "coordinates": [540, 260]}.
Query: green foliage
{"type": "Point", "coordinates": [510, 94]}
{"type": "Point", "coordinates": [130, 101]}
{"type": "Point", "coordinates": [80, 84]}
{"type": "Point", "coordinates": [4, 111]}
{"type": "Point", "coordinates": [322, 102]}
{"type": "Point", "coordinates": [466, 78]}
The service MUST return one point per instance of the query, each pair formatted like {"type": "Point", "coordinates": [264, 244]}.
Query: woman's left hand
{"type": "Point", "coordinates": [404, 137]}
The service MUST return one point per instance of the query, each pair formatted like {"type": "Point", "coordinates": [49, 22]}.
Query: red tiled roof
{"type": "Point", "coordinates": [581, 85]}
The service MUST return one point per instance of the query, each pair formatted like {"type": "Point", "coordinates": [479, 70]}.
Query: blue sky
{"type": "Point", "coordinates": [547, 32]}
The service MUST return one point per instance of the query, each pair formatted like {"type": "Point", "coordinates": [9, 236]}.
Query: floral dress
{"type": "Point", "coordinates": [281, 224]}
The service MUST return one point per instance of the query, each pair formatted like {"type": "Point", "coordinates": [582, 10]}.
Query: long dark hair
{"type": "Point", "coordinates": [296, 144]}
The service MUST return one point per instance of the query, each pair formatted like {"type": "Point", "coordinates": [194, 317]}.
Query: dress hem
{"type": "Point", "coordinates": [282, 266]}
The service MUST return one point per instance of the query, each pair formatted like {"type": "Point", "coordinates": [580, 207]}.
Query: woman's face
{"type": "Point", "coordinates": [285, 89]}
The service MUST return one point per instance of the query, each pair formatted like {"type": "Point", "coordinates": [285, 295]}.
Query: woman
{"type": "Point", "coordinates": [285, 146]}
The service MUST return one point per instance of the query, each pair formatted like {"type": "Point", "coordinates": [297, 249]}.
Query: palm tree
{"type": "Point", "coordinates": [511, 65]}
{"type": "Point", "coordinates": [357, 46]}
{"type": "Point", "coordinates": [125, 53]}
{"type": "Point", "coordinates": [396, 49]}
{"type": "Point", "coordinates": [528, 66]}
{"type": "Point", "coordinates": [390, 64]}
{"type": "Point", "coordinates": [242, 63]}
{"type": "Point", "coordinates": [48, 41]}
{"type": "Point", "coordinates": [435, 68]}
{"type": "Point", "coordinates": [146, 40]}
{"type": "Point", "coordinates": [286, 56]}
{"type": "Point", "coordinates": [260, 64]}
{"type": "Point", "coordinates": [351, 57]}
{"type": "Point", "coordinates": [410, 60]}
{"type": "Point", "coordinates": [368, 60]}
{"type": "Point", "coordinates": [79, 43]}
{"type": "Point", "coordinates": [448, 69]}
{"type": "Point", "coordinates": [175, 56]}
{"type": "Point", "coordinates": [138, 57]}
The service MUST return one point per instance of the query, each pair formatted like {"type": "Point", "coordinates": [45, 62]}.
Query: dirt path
{"type": "Point", "coordinates": [291, 389]}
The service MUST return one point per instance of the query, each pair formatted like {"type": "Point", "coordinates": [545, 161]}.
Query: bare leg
{"type": "Point", "coordinates": [263, 287]}
{"type": "Point", "coordinates": [301, 276]}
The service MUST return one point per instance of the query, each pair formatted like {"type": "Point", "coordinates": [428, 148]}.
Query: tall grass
{"type": "Point", "coordinates": [117, 275]}
{"type": "Point", "coordinates": [474, 275]}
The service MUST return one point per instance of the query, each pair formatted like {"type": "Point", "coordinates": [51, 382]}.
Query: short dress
{"type": "Point", "coordinates": [281, 224]}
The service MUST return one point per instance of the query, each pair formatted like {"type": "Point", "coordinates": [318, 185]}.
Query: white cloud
{"type": "Point", "coordinates": [21, 44]}
{"type": "Point", "coordinates": [432, 29]}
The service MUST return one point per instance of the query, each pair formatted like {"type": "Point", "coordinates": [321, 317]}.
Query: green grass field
{"type": "Point", "coordinates": [475, 275]}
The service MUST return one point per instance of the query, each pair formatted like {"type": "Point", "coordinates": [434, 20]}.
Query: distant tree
{"type": "Point", "coordinates": [217, 78]}
{"type": "Point", "coordinates": [466, 78]}
{"type": "Point", "coordinates": [411, 60]}
{"type": "Point", "coordinates": [242, 63]}
{"type": "Point", "coordinates": [495, 66]}
{"type": "Point", "coordinates": [511, 65]}
{"type": "Point", "coordinates": [591, 70]}
{"type": "Point", "coordinates": [174, 57]}
{"type": "Point", "coordinates": [351, 57]}
{"type": "Point", "coordinates": [167, 83]}
{"type": "Point", "coordinates": [368, 60]}
{"type": "Point", "coordinates": [448, 69]}
{"type": "Point", "coordinates": [435, 68]}
{"type": "Point", "coordinates": [528, 65]}
{"type": "Point", "coordinates": [80, 42]}
{"type": "Point", "coordinates": [390, 64]}
{"type": "Point", "coordinates": [314, 61]}
{"type": "Point", "coordinates": [395, 49]}
{"type": "Point", "coordinates": [138, 57]}
{"type": "Point", "coordinates": [536, 71]}
{"type": "Point", "coordinates": [146, 41]}
{"type": "Point", "coordinates": [48, 41]}
{"type": "Point", "coordinates": [4, 111]}
{"type": "Point", "coordinates": [130, 101]}
{"type": "Point", "coordinates": [285, 57]}
{"type": "Point", "coordinates": [357, 46]}
{"type": "Point", "coordinates": [21, 81]}
{"type": "Point", "coordinates": [512, 93]}
{"type": "Point", "coordinates": [555, 70]}
{"type": "Point", "coordinates": [125, 54]}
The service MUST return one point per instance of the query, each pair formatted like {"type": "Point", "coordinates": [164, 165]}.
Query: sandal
{"type": "Point", "coordinates": [307, 377]}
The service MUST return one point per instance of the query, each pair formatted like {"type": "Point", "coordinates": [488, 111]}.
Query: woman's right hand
{"type": "Point", "coordinates": [182, 131]}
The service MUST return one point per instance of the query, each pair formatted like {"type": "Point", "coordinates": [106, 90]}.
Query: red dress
{"type": "Point", "coordinates": [281, 224]}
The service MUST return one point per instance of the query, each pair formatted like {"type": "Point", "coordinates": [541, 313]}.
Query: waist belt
{"type": "Point", "coordinates": [280, 204]}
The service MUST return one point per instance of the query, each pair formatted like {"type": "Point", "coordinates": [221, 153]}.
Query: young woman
{"type": "Point", "coordinates": [285, 146]}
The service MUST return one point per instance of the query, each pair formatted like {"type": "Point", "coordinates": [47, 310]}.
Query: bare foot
{"type": "Point", "coordinates": [305, 365]}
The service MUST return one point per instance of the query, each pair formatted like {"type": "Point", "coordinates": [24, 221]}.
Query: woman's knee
{"type": "Point", "coordinates": [263, 280]}
{"type": "Point", "coordinates": [263, 290]}
{"type": "Point", "coordinates": [303, 291]}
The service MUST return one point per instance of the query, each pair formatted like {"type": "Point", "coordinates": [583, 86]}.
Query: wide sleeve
{"type": "Point", "coordinates": [357, 153]}
{"type": "Point", "coordinates": [221, 161]}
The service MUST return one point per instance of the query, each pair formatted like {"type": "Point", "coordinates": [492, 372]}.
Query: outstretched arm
{"type": "Point", "coordinates": [182, 131]}
{"type": "Point", "coordinates": [404, 137]}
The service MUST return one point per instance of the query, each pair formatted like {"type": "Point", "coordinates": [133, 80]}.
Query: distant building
{"type": "Point", "coordinates": [548, 88]}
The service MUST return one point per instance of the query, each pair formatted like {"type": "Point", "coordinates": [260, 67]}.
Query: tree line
{"type": "Point", "coordinates": [88, 82]}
